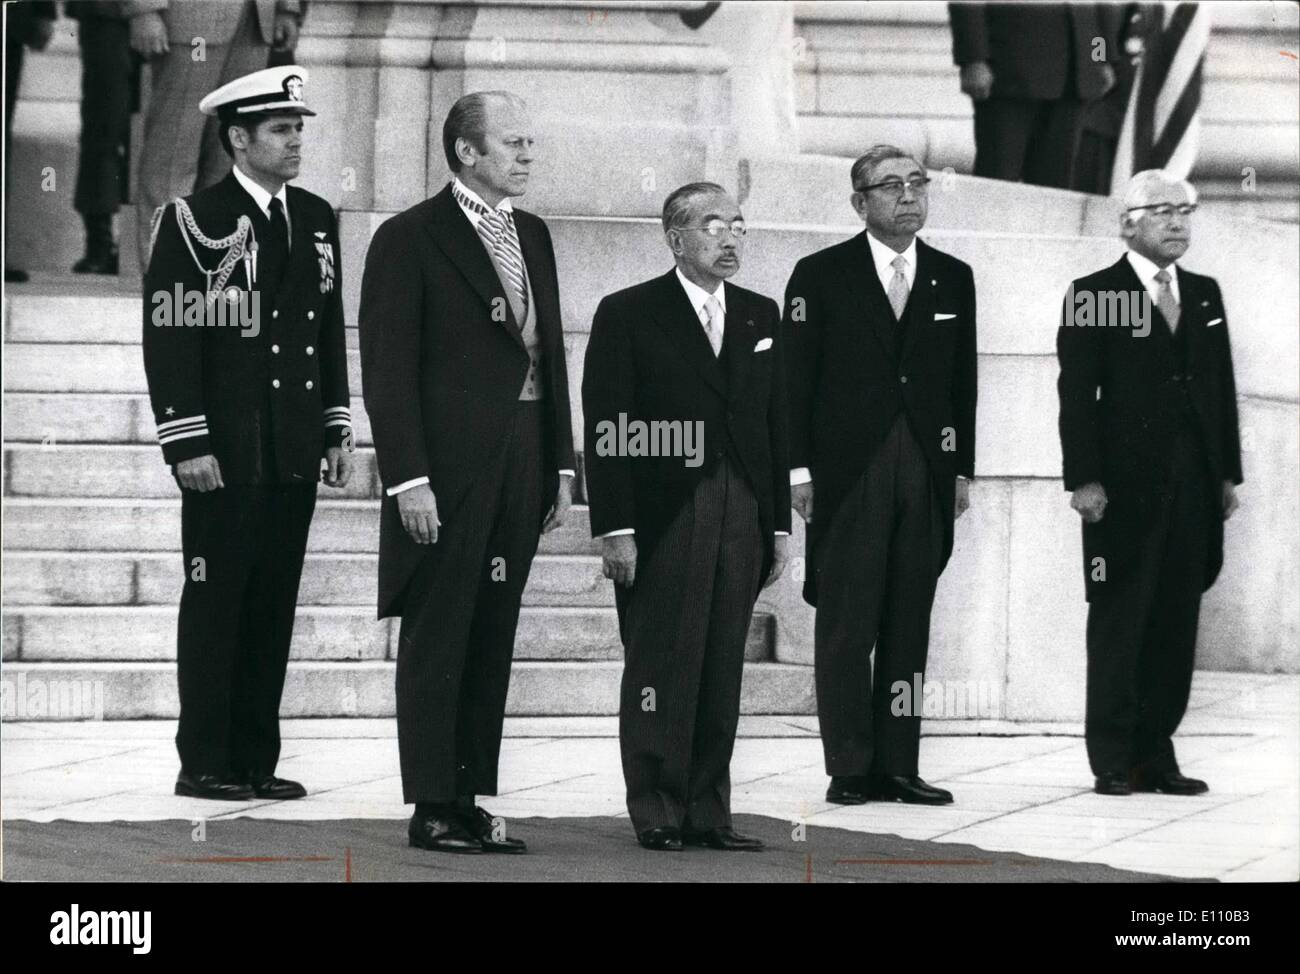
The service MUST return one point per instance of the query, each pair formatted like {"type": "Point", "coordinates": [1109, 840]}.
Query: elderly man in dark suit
{"type": "Point", "coordinates": [880, 335]}
{"type": "Point", "coordinates": [693, 515]}
{"type": "Point", "coordinates": [462, 359]}
{"type": "Point", "coordinates": [1030, 68]}
{"type": "Point", "coordinates": [1152, 455]}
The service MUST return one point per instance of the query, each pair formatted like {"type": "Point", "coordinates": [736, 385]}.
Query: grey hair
{"type": "Point", "coordinates": [866, 164]}
{"type": "Point", "coordinates": [1142, 186]}
{"type": "Point", "coordinates": [680, 205]}
{"type": "Point", "coordinates": [468, 120]}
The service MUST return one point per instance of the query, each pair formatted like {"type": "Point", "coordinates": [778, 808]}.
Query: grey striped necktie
{"type": "Point", "coordinates": [497, 230]}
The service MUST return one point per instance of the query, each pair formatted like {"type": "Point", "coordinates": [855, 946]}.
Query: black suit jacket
{"type": "Point", "coordinates": [649, 359]}
{"type": "Point", "coordinates": [441, 376]}
{"type": "Point", "coordinates": [267, 405]}
{"type": "Point", "coordinates": [850, 372]}
{"type": "Point", "coordinates": [1036, 50]}
{"type": "Point", "coordinates": [1122, 402]}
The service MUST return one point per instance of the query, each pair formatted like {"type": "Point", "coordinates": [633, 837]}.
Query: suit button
{"type": "Point", "coordinates": [275, 383]}
{"type": "Point", "coordinates": [309, 383]}
{"type": "Point", "coordinates": [903, 379]}
{"type": "Point", "coordinates": [1176, 377]}
{"type": "Point", "coordinates": [275, 349]}
{"type": "Point", "coordinates": [275, 313]}
{"type": "Point", "coordinates": [311, 315]}
{"type": "Point", "coordinates": [310, 350]}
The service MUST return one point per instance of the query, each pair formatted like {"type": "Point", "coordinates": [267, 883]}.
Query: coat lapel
{"type": "Point", "coordinates": [919, 313]}
{"type": "Point", "coordinates": [738, 342]}
{"type": "Point", "coordinates": [678, 321]}
{"type": "Point", "coordinates": [864, 288]}
{"type": "Point", "coordinates": [1127, 280]}
{"type": "Point", "coordinates": [457, 238]}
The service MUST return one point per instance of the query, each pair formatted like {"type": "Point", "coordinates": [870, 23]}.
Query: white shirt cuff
{"type": "Point", "coordinates": [614, 534]}
{"type": "Point", "coordinates": [406, 485]}
{"type": "Point", "coordinates": [800, 475]}
{"type": "Point", "coordinates": [783, 534]}
{"type": "Point", "coordinates": [568, 473]}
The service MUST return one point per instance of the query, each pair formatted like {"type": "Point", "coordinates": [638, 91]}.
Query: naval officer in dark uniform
{"type": "Point", "coordinates": [247, 366]}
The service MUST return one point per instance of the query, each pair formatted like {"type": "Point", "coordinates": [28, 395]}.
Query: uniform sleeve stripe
{"type": "Point", "coordinates": [338, 422]}
{"type": "Point", "coordinates": [338, 410]}
{"type": "Point", "coordinates": [173, 437]}
{"type": "Point", "coordinates": [186, 421]}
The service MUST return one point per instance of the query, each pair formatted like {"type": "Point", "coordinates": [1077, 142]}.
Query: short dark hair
{"type": "Point", "coordinates": [680, 205]}
{"type": "Point", "coordinates": [468, 120]}
{"type": "Point", "coordinates": [866, 163]}
{"type": "Point", "coordinates": [248, 122]}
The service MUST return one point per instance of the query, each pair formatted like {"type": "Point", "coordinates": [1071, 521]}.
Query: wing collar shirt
{"type": "Point", "coordinates": [473, 215]}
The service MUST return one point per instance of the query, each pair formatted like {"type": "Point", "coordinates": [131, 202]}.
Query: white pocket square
{"type": "Point", "coordinates": [763, 345]}
{"type": "Point", "coordinates": [940, 316]}
{"type": "Point", "coordinates": [1211, 324]}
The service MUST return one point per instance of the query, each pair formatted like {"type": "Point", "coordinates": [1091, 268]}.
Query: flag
{"type": "Point", "coordinates": [1162, 123]}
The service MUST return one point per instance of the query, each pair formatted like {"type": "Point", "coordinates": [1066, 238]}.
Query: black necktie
{"type": "Point", "coordinates": [276, 256]}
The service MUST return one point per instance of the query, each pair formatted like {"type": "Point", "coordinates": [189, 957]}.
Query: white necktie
{"type": "Point", "coordinates": [898, 287]}
{"type": "Point", "coordinates": [713, 325]}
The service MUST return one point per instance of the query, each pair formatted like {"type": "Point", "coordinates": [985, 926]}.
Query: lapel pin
{"type": "Point", "coordinates": [933, 282]}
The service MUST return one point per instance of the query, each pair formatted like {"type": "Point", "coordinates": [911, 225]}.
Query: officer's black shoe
{"type": "Point", "coordinates": [216, 786]}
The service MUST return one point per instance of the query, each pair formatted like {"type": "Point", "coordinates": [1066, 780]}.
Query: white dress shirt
{"type": "Point", "coordinates": [473, 216]}
{"type": "Point", "coordinates": [263, 199]}
{"type": "Point", "coordinates": [698, 298]}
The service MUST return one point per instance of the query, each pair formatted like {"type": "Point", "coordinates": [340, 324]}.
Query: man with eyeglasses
{"type": "Point", "coordinates": [880, 341]}
{"type": "Point", "coordinates": [687, 539]}
{"type": "Point", "coordinates": [1151, 455]}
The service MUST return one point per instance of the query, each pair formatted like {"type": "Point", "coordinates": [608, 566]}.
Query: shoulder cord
{"type": "Point", "coordinates": [235, 245]}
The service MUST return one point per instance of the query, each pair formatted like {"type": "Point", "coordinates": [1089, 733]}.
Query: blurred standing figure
{"type": "Point", "coordinates": [1103, 119]}
{"type": "Point", "coordinates": [109, 93]}
{"type": "Point", "coordinates": [26, 25]}
{"type": "Point", "coordinates": [1151, 454]}
{"type": "Point", "coordinates": [193, 47]}
{"type": "Point", "coordinates": [1030, 68]}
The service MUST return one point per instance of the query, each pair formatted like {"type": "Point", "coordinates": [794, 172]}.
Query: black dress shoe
{"type": "Point", "coordinates": [1168, 783]}
{"type": "Point", "coordinates": [280, 789]}
{"type": "Point", "coordinates": [727, 839]}
{"type": "Point", "coordinates": [1112, 783]}
{"type": "Point", "coordinates": [480, 824]}
{"type": "Point", "coordinates": [216, 786]}
{"type": "Point", "coordinates": [909, 789]}
{"type": "Point", "coordinates": [665, 838]}
{"type": "Point", "coordinates": [441, 832]}
{"type": "Point", "coordinates": [848, 790]}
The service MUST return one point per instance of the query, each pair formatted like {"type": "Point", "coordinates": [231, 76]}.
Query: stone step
{"type": "Point", "coordinates": [92, 578]}
{"type": "Point", "coordinates": [105, 417]}
{"type": "Point", "coordinates": [121, 634]}
{"type": "Point", "coordinates": [87, 367]}
{"type": "Point", "coordinates": [39, 633]}
{"type": "Point", "coordinates": [132, 470]}
{"type": "Point", "coordinates": [115, 525]}
{"type": "Point", "coordinates": [128, 691]}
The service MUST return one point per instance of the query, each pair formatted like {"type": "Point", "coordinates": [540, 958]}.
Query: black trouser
{"type": "Point", "coordinates": [686, 620]}
{"type": "Point", "coordinates": [1142, 629]}
{"type": "Point", "coordinates": [1027, 140]}
{"type": "Point", "coordinates": [877, 568]}
{"type": "Point", "coordinates": [107, 71]}
{"type": "Point", "coordinates": [243, 549]}
{"type": "Point", "coordinates": [459, 621]}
